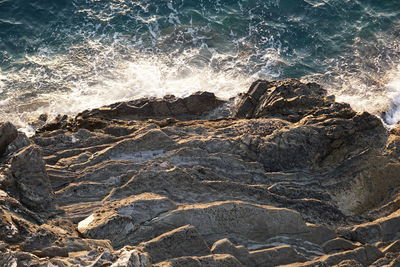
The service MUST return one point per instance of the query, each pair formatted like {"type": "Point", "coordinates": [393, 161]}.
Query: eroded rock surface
{"type": "Point", "coordinates": [287, 176]}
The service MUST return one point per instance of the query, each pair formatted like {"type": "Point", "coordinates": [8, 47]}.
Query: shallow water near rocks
{"type": "Point", "coordinates": [67, 56]}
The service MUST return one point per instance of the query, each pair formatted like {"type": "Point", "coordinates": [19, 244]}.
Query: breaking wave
{"type": "Point", "coordinates": [61, 57]}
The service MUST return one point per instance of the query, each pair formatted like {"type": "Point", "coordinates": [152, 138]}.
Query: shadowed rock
{"type": "Point", "coordinates": [8, 133]}
{"type": "Point", "coordinates": [29, 172]}
{"type": "Point", "coordinates": [184, 241]}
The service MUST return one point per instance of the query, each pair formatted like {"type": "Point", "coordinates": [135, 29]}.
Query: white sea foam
{"type": "Point", "coordinates": [174, 54]}
{"type": "Point", "coordinates": [94, 75]}
{"type": "Point", "coordinates": [393, 92]}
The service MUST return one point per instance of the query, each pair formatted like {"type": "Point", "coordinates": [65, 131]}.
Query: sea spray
{"type": "Point", "coordinates": [65, 56]}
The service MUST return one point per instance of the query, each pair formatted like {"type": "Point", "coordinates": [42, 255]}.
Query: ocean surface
{"type": "Point", "coordinates": [64, 56]}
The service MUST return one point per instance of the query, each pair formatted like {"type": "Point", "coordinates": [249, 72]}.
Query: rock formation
{"type": "Point", "coordinates": [282, 175]}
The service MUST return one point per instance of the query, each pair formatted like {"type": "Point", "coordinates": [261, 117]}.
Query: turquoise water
{"type": "Point", "coordinates": [66, 56]}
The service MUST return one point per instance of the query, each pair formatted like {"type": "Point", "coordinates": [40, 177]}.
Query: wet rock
{"type": "Point", "coordinates": [61, 121]}
{"type": "Point", "coordinates": [290, 100]}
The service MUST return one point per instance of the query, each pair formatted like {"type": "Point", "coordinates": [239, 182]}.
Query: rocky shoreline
{"type": "Point", "coordinates": [281, 175]}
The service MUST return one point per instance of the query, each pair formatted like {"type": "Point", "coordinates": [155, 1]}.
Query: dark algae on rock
{"type": "Point", "coordinates": [282, 175]}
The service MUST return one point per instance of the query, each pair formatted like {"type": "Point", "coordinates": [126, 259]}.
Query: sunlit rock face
{"type": "Point", "coordinates": [280, 175]}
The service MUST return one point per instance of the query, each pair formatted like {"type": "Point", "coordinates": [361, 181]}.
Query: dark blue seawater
{"type": "Point", "coordinates": [60, 56]}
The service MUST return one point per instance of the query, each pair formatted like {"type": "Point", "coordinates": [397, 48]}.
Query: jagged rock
{"type": "Point", "coordinates": [57, 123]}
{"type": "Point", "coordinates": [19, 142]}
{"type": "Point", "coordinates": [191, 107]}
{"type": "Point", "coordinates": [338, 244]}
{"type": "Point", "coordinates": [317, 234]}
{"type": "Point", "coordinates": [349, 263]}
{"type": "Point", "coordinates": [223, 219]}
{"type": "Point", "coordinates": [393, 147]}
{"type": "Point", "coordinates": [290, 177]}
{"type": "Point", "coordinates": [219, 260]}
{"type": "Point", "coordinates": [394, 247]}
{"type": "Point", "coordinates": [196, 104]}
{"type": "Point", "coordinates": [327, 133]}
{"type": "Point", "coordinates": [303, 247]}
{"type": "Point", "coordinates": [225, 246]}
{"type": "Point", "coordinates": [8, 133]}
{"type": "Point", "coordinates": [364, 255]}
{"type": "Point", "coordinates": [290, 100]}
{"type": "Point", "coordinates": [29, 172]}
{"type": "Point", "coordinates": [275, 256]}
{"type": "Point", "coordinates": [390, 260]}
{"type": "Point", "coordinates": [184, 241]}
{"type": "Point", "coordinates": [383, 229]}
{"type": "Point", "coordinates": [24, 259]}
{"type": "Point", "coordinates": [118, 220]}
{"type": "Point", "coordinates": [140, 148]}
{"type": "Point", "coordinates": [131, 257]}
{"type": "Point", "coordinates": [14, 229]}
{"type": "Point", "coordinates": [126, 257]}
{"type": "Point", "coordinates": [213, 221]}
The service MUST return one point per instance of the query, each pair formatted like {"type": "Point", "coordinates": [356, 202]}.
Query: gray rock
{"type": "Point", "coordinates": [20, 142]}
{"type": "Point", "coordinates": [225, 246]}
{"type": "Point", "coordinates": [29, 172]}
{"type": "Point", "coordinates": [338, 244]}
{"type": "Point", "coordinates": [118, 220]}
{"type": "Point", "coordinates": [277, 183]}
{"type": "Point", "coordinates": [8, 133]}
{"type": "Point", "coordinates": [393, 247]}
{"type": "Point", "coordinates": [276, 256]}
{"type": "Point", "coordinates": [217, 260]}
{"type": "Point", "coordinates": [184, 241]}
{"type": "Point", "coordinates": [365, 255]}
{"type": "Point", "coordinates": [225, 220]}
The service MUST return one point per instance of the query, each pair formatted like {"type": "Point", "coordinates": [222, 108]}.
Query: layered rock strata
{"type": "Point", "coordinates": [281, 175]}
